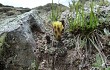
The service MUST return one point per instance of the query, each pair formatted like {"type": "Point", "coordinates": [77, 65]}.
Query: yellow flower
{"type": "Point", "coordinates": [57, 29]}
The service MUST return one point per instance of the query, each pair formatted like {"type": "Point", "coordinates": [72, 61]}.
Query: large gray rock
{"type": "Point", "coordinates": [20, 44]}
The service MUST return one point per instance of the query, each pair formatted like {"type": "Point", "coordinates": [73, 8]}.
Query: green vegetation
{"type": "Point", "coordinates": [2, 40]}
{"type": "Point", "coordinates": [54, 14]}
{"type": "Point", "coordinates": [57, 9]}
{"type": "Point", "coordinates": [80, 22]}
{"type": "Point", "coordinates": [103, 3]}
{"type": "Point", "coordinates": [98, 63]}
{"type": "Point", "coordinates": [33, 66]}
{"type": "Point", "coordinates": [84, 27]}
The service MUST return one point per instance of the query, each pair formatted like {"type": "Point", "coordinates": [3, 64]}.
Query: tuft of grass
{"type": "Point", "coordinates": [53, 15]}
{"type": "Point", "coordinates": [93, 18]}
{"type": "Point", "coordinates": [80, 23]}
{"type": "Point", "coordinates": [74, 23]}
{"type": "Point", "coordinates": [57, 9]}
{"type": "Point", "coordinates": [55, 12]}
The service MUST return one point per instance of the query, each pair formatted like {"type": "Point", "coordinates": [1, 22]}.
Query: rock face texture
{"type": "Point", "coordinates": [20, 43]}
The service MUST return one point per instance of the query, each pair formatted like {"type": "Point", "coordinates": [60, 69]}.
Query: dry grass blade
{"type": "Point", "coordinates": [98, 49]}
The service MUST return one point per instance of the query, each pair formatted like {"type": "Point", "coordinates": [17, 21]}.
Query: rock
{"type": "Point", "coordinates": [20, 39]}
{"type": "Point", "coordinates": [23, 10]}
{"type": "Point", "coordinates": [18, 23]}
{"type": "Point", "coordinates": [43, 65]}
{"type": "Point", "coordinates": [5, 9]}
{"type": "Point", "coordinates": [45, 11]}
{"type": "Point", "coordinates": [2, 65]}
{"type": "Point", "coordinates": [1, 5]}
{"type": "Point", "coordinates": [10, 13]}
{"type": "Point", "coordinates": [48, 7]}
{"type": "Point", "coordinates": [61, 52]}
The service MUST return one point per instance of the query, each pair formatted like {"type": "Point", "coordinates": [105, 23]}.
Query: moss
{"type": "Point", "coordinates": [2, 40]}
{"type": "Point", "coordinates": [34, 66]}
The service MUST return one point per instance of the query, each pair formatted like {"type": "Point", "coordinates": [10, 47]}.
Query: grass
{"type": "Point", "coordinates": [80, 23]}
{"type": "Point", "coordinates": [88, 36]}
{"type": "Point", "coordinates": [92, 45]}
{"type": "Point", "coordinates": [55, 12]}
{"type": "Point", "coordinates": [93, 18]}
{"type": "Point", "coordinates": [57, 9]}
